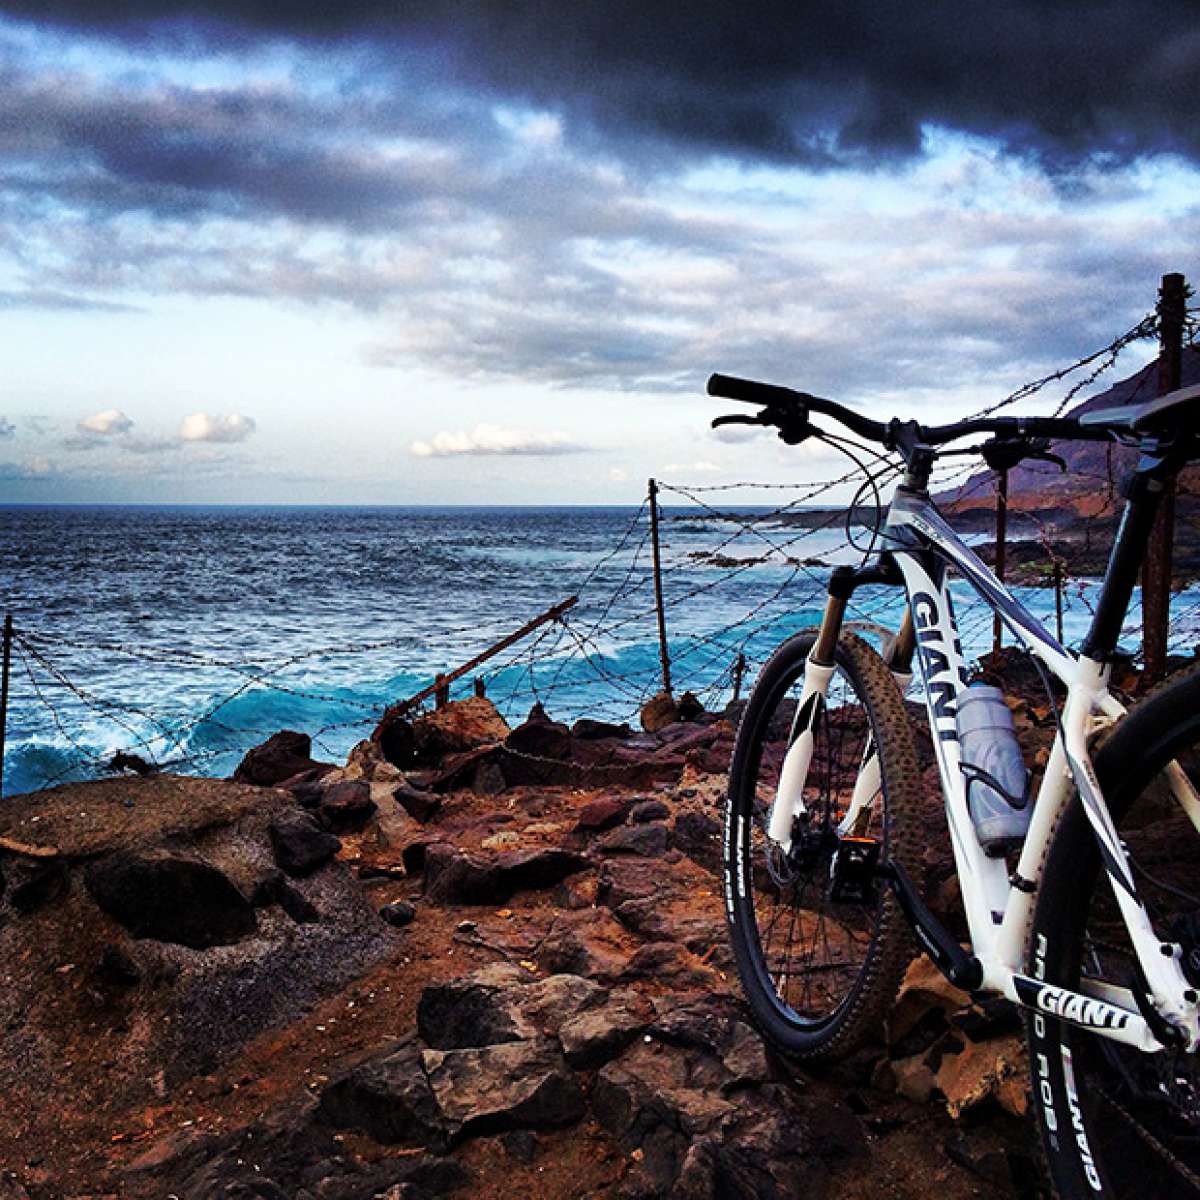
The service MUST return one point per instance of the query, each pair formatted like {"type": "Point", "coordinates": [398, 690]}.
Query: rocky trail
{"type": "Point", "coordinates": [498, 969]}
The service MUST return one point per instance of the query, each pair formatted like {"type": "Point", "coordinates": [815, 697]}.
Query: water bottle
{"type": "Point", "coordinates": [997, 782]}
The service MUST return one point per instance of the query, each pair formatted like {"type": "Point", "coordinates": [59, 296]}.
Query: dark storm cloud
{"type": "Point", "coordinates": [177, 151]}
{"type": "Point", "coordinates": [781, 81]}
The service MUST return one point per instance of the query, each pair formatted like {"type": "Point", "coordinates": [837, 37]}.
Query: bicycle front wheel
{"type": "Point", "coordinates": [821, 943]}
{"type": "Point", "coordinates": [1116, 1121]}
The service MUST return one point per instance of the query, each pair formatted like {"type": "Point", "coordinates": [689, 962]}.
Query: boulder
{"type": "Point", "coordinates": [605, 812]}
{"type": "Point", "coordinates": [540, 738]}
{"type": "Point", "coordinates": [597, 1034]}
{"type": "Point", "coordinates": [980, 1071]}
{"type": "Point", "coordinates": [452, 877]}
{"type": "Point", "coordinates": [386, 1097]}
{"type": "Point", "coordinates": [421, 805]}
{"type": "Point", "coordinates": [456, 727]}
{"type": "Point", "coordinates": [698, 835]}
{"type": "Point", "coordinates": [300, 845]}
{"type": "Point", "coordinates": [586, 729]}
{"type": "Point", "coordinates": [282, 756]}
{"type": "Point", "coordinates": [394, 737]}
{"type": "Point", "coordinates": [170, 899]}
{"type": "Point", "coordinates": [398, 914]}
{"type": "Point", "coordinates": [516, 1085]}
{"type": "Point", "coordinates": [480, 1009]}
{"type": "Point", "coordinates": [923, 988]}
{"type": "Point", "coordinates": [346, 806]}
{"type": "Point", "coordinates": [535, 869]}
{"type": "Point", "coordinates": [658, 712]}
{"type": "Point", "coordinates": [589, 942]}
{"type": "Point", "coordinates": [645, 811]}
{"type": "Point", "coordinates": [669, 962]}
{"type": "Point", "coordinates": [650, 841]}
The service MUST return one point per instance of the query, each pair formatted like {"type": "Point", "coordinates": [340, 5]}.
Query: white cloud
{"type": "Point", "coordinates": [700, 467]}
{"type": "Point", "coordinates": [210, 427]}
{"type": "Point", "coordinates": [618, 474]}
{"type": "Point", "coordinates": [109, 423]}
{"type": "Point", "coordinates": [495, 439]}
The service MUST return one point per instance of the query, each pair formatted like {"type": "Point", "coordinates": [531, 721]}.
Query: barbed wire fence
{"type": "Point", "coordinates": [735, 579]}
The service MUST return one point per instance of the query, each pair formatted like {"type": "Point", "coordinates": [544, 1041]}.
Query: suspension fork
{"type": "Point", "coordinates": [788, 805]}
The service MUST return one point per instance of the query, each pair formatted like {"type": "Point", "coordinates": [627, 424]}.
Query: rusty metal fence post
{"type": "Point", "coordinates": [1156, 571]}
{"type": "Point", "coordinates": [5, 666]}
{"type": "Point", "coordinates": [739, 672]}
{"type": "Point", "coordinates": [658, 592]}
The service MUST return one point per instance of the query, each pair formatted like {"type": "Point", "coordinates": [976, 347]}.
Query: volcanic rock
{"type": "Point", "coordinates": [346, 806]}
{"type": "Point", "coordinates": [605, 812]}
{"type": "Point", "coordinates": [455, 727]}
{"type": "Point", "coordinates": [645, 811]}
{"type": "Point", "coordinates": [589, 942]}
{"type": "Point", "coordinates": [481, 1009]}
{"type": "Point", "coordinates": [540, 738]}
{"type": "Point", "coordinates": [516, 1085]}
{"type": "Point", "coordinates": [658, 712]}
{"type": "Point", "coordinates": [394, 737]}
{"type": "Point", "coordinates": [452, 877]}
{"type": "Point", "coordinates": [699, 836]}
{"type": "Point", "coordinates": [592, 1037]}
{"type": "Point", "coordinates": [398, 914]}
{"type": "Point", "coordinates": [421, 805]}
{"type": "Point", "coordinates": [282, 756]}
{"type": "Point", "coordinates": [387, 1097]}
{"type": "Point", "coordinates": [301, 846]}
{"type": "Point", "coordinates": [650, 841]}
{"type": "Point", "coordinates": [588, 729]}
{"type": "Point", "coordinates": [171, 899]}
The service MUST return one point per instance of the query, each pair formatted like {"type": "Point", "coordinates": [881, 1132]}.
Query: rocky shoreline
{"type": "Point", "coordinates": [471, 958]}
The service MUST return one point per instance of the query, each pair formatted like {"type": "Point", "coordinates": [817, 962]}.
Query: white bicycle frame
{"type": "Point", "coordinates": [998, 913]}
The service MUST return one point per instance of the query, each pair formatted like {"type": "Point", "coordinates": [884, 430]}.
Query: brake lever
{"type": "Point", "coordinates": [793, 431]}
{"type": "Point", "coordinates": [1001, 454]}
{"type": "Point", "coordinates": [739, 419]}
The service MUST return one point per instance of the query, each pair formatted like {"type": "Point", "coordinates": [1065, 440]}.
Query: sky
{"type": "Point", "coordinates": [469, 253]}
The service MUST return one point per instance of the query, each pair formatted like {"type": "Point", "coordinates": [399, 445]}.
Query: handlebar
{"type": "Point", "coordinates": [790, 409]}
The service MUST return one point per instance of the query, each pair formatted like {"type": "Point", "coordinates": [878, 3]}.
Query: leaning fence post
{"type": "Point", "coordinates": [1156, 570]}
{"type": "Point", "coordinates": [739, 670]}
{"type": "Point", "coordinates": [441, 695]}
{"type": "Point", "coordinates": [1001, 555]}
{"type": "Point", "coordinates": [658, 594]}
{"type": "Point", "coordinates": [5, 664]}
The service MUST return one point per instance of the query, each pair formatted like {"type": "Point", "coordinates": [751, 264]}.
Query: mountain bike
{"type": "Point", "coordinates": [1082, 904]}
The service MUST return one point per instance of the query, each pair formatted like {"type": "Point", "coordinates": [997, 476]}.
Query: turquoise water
{"type": "Point", "coordinates": [189, 634]}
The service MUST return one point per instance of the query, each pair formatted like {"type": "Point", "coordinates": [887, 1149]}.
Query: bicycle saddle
{"type": "Point", "coordinates": [1176, 412]}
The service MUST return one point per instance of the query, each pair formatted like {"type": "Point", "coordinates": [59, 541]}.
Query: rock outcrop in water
{"type": "Point", "coordinates": [501, 969]}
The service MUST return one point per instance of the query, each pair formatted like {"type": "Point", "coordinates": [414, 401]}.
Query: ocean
{"type": "Point", "coordinates": [189, 634]}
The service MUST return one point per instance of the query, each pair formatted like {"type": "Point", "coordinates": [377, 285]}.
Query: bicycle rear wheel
{"type": "Point", "coordinates": [1116, 1121]}
{"type": "Point", "coordinates": [820, 954]}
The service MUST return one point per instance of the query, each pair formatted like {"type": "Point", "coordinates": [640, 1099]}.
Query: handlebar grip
{"type": "Point", "coordinates": [749, 391]}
